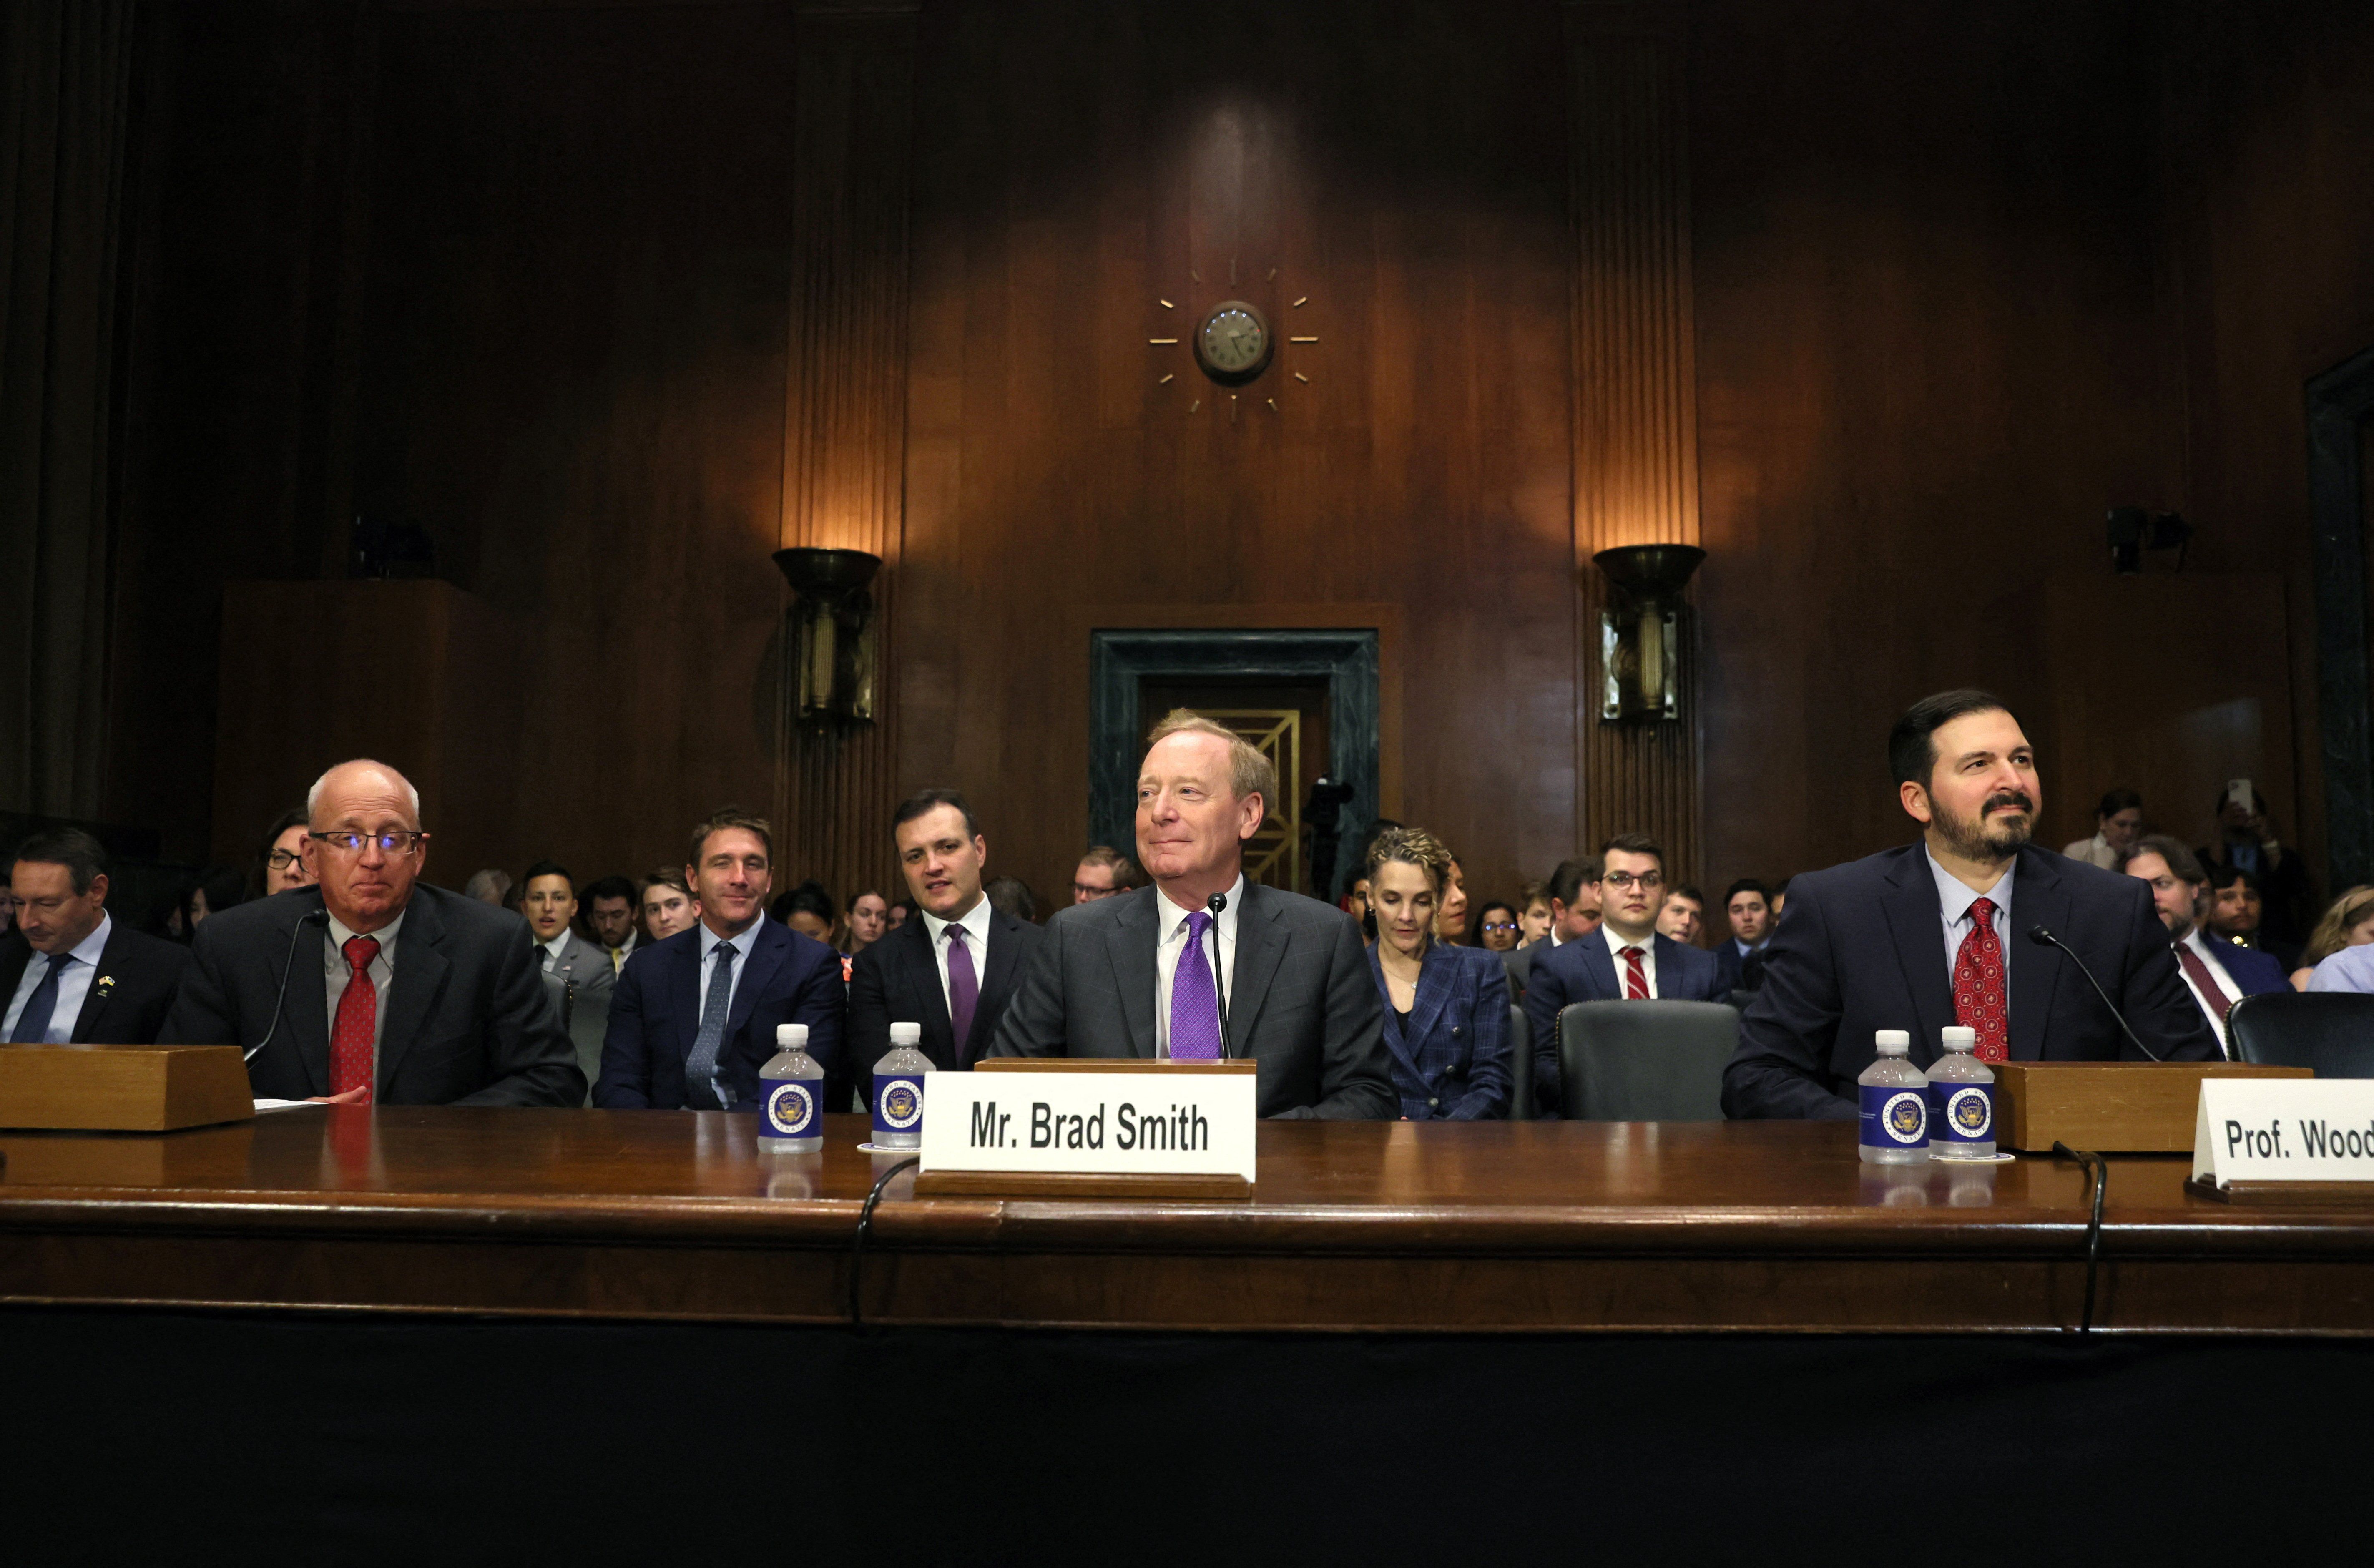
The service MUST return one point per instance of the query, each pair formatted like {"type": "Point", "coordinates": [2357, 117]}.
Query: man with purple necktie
{"type": "Point", "coordinates": [1203, 965]}
{"type": "Point", "coordinates": [952, 968]}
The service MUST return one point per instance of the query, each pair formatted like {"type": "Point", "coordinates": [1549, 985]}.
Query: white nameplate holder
{"type": "Point", "coordinates": [1027, 1126]}
{"type": "Point", "coordinates": [2303, 1142]}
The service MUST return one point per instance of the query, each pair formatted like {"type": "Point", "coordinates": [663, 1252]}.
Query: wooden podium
{"type": "Point", "coordinates": [122, 1087]}
{"type": "Point", "coordinates": [2108, 1107]}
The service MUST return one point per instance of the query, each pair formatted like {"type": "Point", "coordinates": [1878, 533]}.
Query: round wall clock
{"type": "Point", "coordinates": [1233, 343]}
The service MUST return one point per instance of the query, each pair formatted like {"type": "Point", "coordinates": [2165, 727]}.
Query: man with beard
{"type": "Point", "coordinates": [1936, 932]}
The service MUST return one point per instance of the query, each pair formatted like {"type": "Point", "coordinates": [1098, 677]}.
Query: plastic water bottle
{"type": "Point", "coordinates": [899, 1089]}
{"type": "Point", "coordinates": [1961, 1099]}
{"type": "Point", "coordinates": [791, 1096]}
{"type": "Point", "coordinates": [1893, 1104]}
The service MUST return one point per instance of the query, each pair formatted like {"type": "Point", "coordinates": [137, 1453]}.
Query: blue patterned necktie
{"type": "Point", "coordinates": [701, 1090]}
{"type": "Point", "coordinates": [1194, 1011]}
{"type": "Point", "coordinates": [33, 1024]}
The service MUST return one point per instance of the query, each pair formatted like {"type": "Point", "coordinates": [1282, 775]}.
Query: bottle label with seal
{"type": "Point", "coordinates": [1894, 1116]}
{"type": "Point", "coordinates": [788, 1108]}
{"type": "Point", "coordinates": [897, 1102]}
{"type": "Point", "coordinates": [1962, 1113]}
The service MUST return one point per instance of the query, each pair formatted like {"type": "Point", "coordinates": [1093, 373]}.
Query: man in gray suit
{"type": "Point", "coordinates": [1133, 976]}
{"type": "Point", "coordinates": [577, 975]}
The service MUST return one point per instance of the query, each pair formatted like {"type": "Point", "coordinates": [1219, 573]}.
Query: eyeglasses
{"type": "Point", "coordinates": [1499, 925]}
{"type": "Point", "coordinates": [282, 859]}
{"type": "Point", "coordinates": [1081, 889]}
{"type": "Point", "coordinates": [391, 843]}
{"type": "Point", "coordinates": [1620, 880]}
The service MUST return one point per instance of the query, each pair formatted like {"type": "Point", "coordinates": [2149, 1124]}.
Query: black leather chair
{"type": "Point", "coordinates": [1645, 1061]}
{"type": "Point", "coordinates": [1521, 1065]}
{"type": "Point", "coordinates": [2332, 1031]}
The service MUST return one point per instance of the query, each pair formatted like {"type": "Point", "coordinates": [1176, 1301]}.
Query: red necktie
{"type": "Point", "coordinates": [1978, 1003]}
{"type": "Point", "coordinates": [2212, 995]}
{"type": "Point", "coordinates": [351, 1037]}
{"type": "Point", "coordinates": [1636, 977]}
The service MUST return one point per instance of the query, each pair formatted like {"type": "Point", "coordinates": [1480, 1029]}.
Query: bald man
{"type": "Point", "coordinates": [372, 987]}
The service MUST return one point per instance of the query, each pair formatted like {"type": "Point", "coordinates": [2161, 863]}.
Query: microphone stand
{"type": "Point", "coordinates": [1217, 903]}
{"type": "Point", "coordinates": [308, 918]}
{"type": "Point", "coordinates": [2045, 939]}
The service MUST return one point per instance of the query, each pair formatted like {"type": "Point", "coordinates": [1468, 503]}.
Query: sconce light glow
{"type": "Point", "coordinates": [1641, 631]}
{"type": "Point", "coordinates": [833, 632]}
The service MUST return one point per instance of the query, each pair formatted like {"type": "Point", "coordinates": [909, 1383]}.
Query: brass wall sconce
{"type": "Point", "coordinates": [1641, 631]}
{"type": "Point", "coordinates": [833, 631]}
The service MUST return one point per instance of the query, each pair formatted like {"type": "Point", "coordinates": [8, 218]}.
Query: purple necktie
{"type": "Point", "coordinates": [964, 990]}
{"type": "Point", "coordinates": [1194, 1011]}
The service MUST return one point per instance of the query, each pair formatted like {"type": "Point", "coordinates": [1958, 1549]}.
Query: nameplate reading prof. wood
{"type": "Point", "coordinates": [1132, 1120]}
{"type": "Point", "coordinates": [2284, 1129]}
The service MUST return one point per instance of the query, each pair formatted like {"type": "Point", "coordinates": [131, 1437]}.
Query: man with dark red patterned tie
{"type": "Point", "coordinates": [1936, 933]}
{"type": "Point", "coordinates": [952, 968]}
{"type": "Point", "coordinates": [372, 987]}
{"type": "Point", "coordinates": [2217, 974]}
{"type": "Point", "coordinates": [1159, 973]}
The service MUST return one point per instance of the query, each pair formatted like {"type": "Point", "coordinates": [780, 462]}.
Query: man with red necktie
{"type": "Point", "coordinates": [1942, 931]}
{"type": "Point", "coordinates": [2217, 974]}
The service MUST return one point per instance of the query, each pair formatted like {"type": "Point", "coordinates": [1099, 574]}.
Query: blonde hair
{"type": "Point", "coordinates": [1413, 846]}
{"type": "Point", "coordinates": [1249, 773]}
{"type": "Point", "coordinates": [2332, 932]}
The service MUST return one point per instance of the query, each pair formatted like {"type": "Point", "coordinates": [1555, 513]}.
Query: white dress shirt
{"type": "Point", "coordinates": [1170, 946]}
{"type": "Point", "coordinates": [336, 971]}
{"type": "Point", "coordinates": [2200, 948]}
{"type": "Point", "coordinates": [1954, 898]}
{"type": "Point", "coordinates": [1616, 945]}
{"type": "Point", "coordinates": [2096, 851]}
{"type": "Point", "coordinates": [738, 946]}
{"type": "Point", "coordinates": [74, 984]}
{"type": "Point", "coordinates": [551, 950]}
{"type": "Point", "coordinates": [975, 922]}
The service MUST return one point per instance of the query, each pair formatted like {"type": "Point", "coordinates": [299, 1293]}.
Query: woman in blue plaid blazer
{"type": "Point", "coordinates": [1446, 1008]}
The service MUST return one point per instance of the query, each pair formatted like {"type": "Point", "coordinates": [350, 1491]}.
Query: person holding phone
{"type": "Point", "coordinates": [2247, 841]}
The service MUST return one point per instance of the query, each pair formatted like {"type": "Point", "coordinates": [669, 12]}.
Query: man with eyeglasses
{"type": "Point", "coordinates": [1625, 959]}
{"type": "Point", "coordinates": [373, 988]}
{"type": "Point", "coordinates": [1103, 872]}
{"type": "Point", "coordinates": [2217, 974]}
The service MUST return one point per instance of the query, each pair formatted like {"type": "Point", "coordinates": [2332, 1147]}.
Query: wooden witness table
{"type": "Point", "coordinates": [1542, 1226]}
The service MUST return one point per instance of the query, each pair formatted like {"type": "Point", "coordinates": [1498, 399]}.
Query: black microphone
{"type": "Point", "coordinates": [1216, 903]}
{"type": "Point", "coordinates": [288, 963]}
{"type": "Point", "coordinates": [2045, 939]}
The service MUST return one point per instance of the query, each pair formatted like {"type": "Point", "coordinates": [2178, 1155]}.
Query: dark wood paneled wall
{"type": "Point", "coordinates": [1885, 302]}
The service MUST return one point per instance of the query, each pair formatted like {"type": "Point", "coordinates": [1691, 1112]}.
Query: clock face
{"type": "Point", "coordinates": [1233, 343]}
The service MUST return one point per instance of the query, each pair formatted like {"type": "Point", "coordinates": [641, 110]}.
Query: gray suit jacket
{"type": "Point", "coordinates": [578, 984]}
{"type": "Point", "coordinates": [1300, 1000]}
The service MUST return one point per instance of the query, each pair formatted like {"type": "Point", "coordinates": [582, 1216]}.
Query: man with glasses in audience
{"type": "Point", "coordinates": [1625, 959]}
{"type": "Point", "coordinates": [373, 988]}
{"type": "Point", "coordinates": [1103, 872]}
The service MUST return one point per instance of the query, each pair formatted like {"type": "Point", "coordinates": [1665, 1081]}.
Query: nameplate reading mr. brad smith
{"type": "Point", "coordinates": [1092, 1123]}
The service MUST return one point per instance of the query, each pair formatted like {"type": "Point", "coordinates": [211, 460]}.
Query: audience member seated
{"type": "Point", "coordinates": [952, 969]}
{"type": "Point", "coordinates": [1626, 959]}
{"type": "Point", "coordinates": [2118, 822]}
{"type": "Point", "coordinates": [70, 973]}
{"type": "Point", "coordinates": [1684, 915]}
{"type": "Point", "coordinates": [1533, 914]}
{"type": "Point", "coordinates": [1446, 1019]}
{"type": "Point", "coordinates": [280, 864]}
{"type": "Point", "coordinates": [2217, 974]}
{"type": "Point", "coordinates": [609, 910]}
{"type": "Point", "coordinates": [424, 997]}
{"type": "Point", "coordinates": [2247, 841]}
{"type": "Point", "coordinates": [2236, 916]}
{"type": "Point", "coordinates": [218, 888]}
{"type": "Point", "coordinates": [2349, 922]}
{"type": "Point", "coordinates": [492, 886]}
{"type": "Point", "coordinates": [1496, 929]}
{"type": "Point", "coordinates": [1133, 976]}
{"type": "Point", "coordinates": [2349, 969]}
{"type": "Point", "coordinates": [901, 911]}
{"type": "Point", "coordinates": [1451, 917]}
{"type": "Point", "coordinates": [1011, 895]}
{"type": "Point", "coordinates": [666, 904]}
{"type": "Point", "coordinates": [868, 918]}
{"type": "Point", "coordinates": [1574, 897]}
{"type": "Point", "coordinates": [694, 1017]}
{"type": "Point", "coordinates": [577, 973]}
{"type": "Point", "coordinates": [1103, 872]}
{"type": "Point", "coordinates": [807, 909]}
{"type": "Point", "coordinates": [1748, 907]}
{"type": "Point", "coordinates": [1932, 934]}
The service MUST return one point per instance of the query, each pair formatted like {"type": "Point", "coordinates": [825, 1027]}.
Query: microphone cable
{"type": "Point", "coordinates": [2098, 1175]}
{"type": "Point", "coordinates": [308, 918]}
{"type": "Point", "coordinates": [864, 1229]}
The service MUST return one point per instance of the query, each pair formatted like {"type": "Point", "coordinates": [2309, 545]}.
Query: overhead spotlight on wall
{"type": "Point", "coordinates": [2134, 529]}
{"type": "Point", "coordinates": [833, 631]}
{"type": "Point", "coordinates": [1641, 631]}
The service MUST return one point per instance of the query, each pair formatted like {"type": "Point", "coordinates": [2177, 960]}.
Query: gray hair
{"type": "Point", "coordinates": [313, 795]}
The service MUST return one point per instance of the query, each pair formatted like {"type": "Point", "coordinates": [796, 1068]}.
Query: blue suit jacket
{"type": "Point", "coordinates": [656, 1013]}
{"type": "Point", "coordinates": [1451, 1065]}
{"type": "Point", "coordinates": [1584, 971]}
{"type": "Point", "coordinates": [2256, 973]}
{"type": "Point", "coordinates": [1862, 947]}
